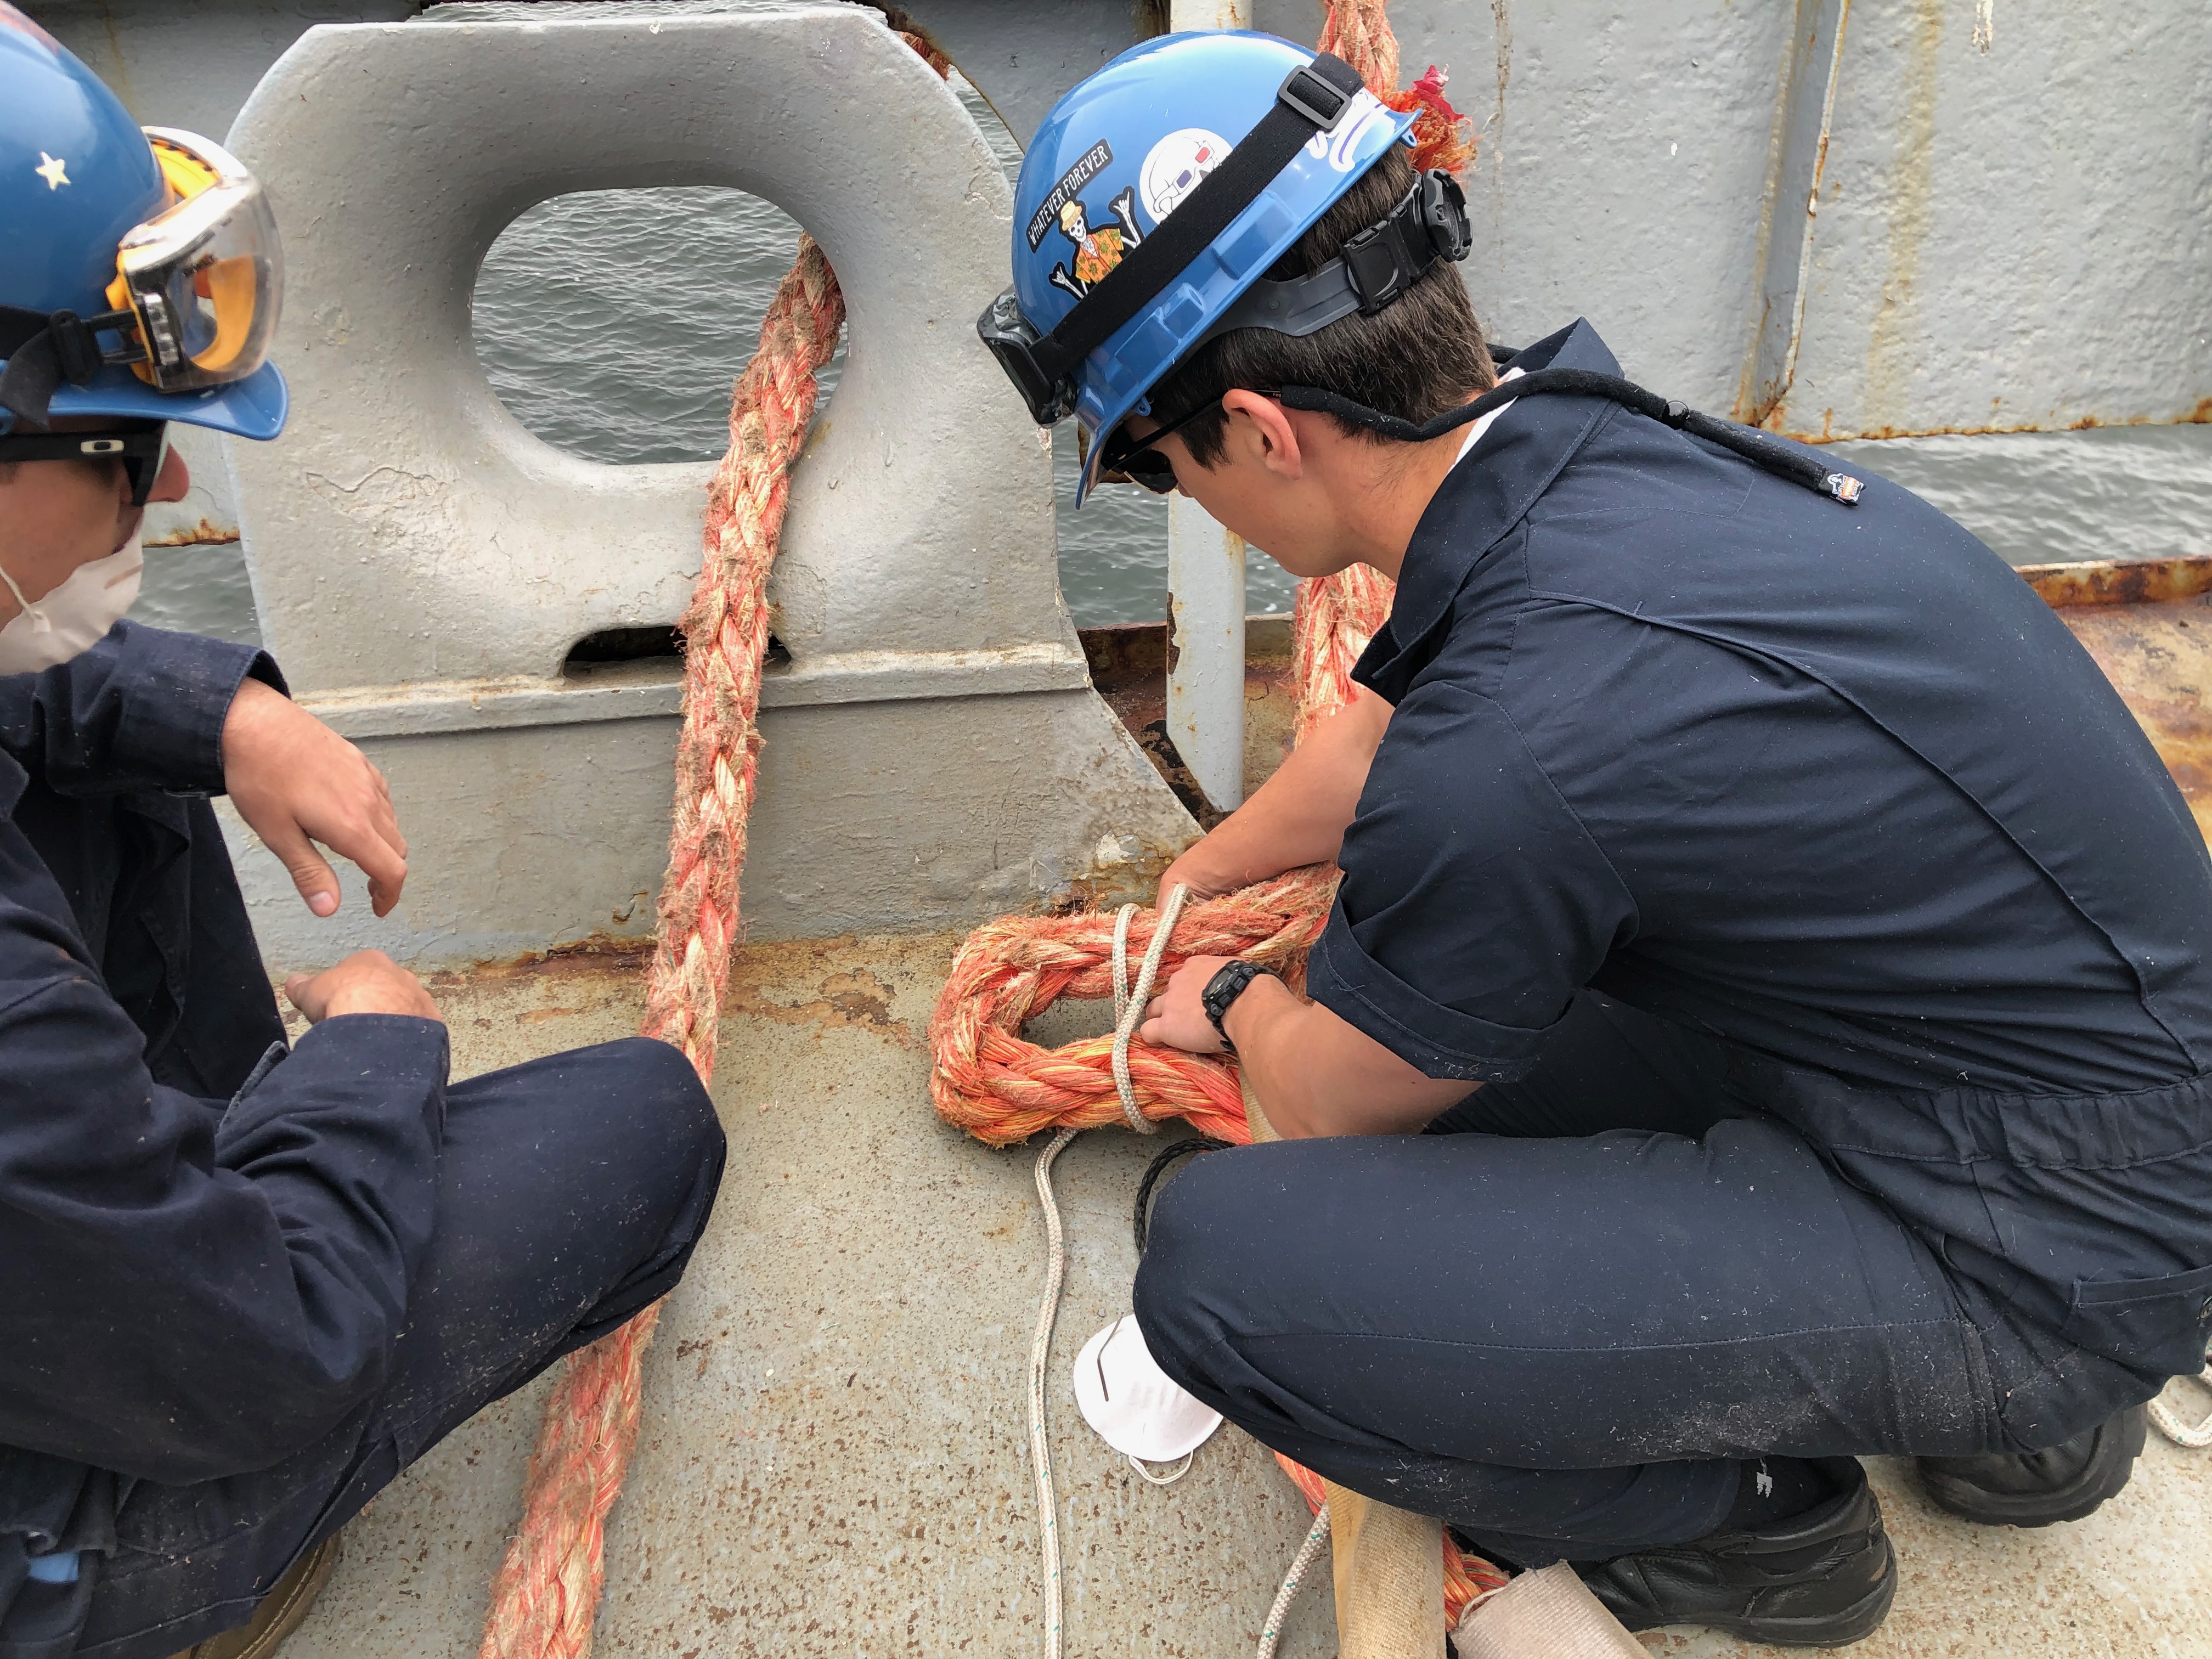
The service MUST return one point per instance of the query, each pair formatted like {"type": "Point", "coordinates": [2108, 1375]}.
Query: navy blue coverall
{"type": "Point", "coordinates": [1830, 945]}
{"type": "Point", "coordinates": [241, 1288]}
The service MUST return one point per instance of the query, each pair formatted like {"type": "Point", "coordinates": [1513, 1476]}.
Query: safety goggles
{"type": "Point", "coordinates": [138, 448]}
{"type": "Point", "coordinates": [1134, 460]}
{"type": "Point", "coordinates": [202, 281]}
{"type": "Point", "coordinates": [195, 292]}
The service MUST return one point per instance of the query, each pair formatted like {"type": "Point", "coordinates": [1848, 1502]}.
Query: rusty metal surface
{"type": "Point", "coordinates": [2148, 625]}
{"type": "Point", "coordinates": [1129, 669]}
{"type": "Point", "coordinates": [2119, 581]}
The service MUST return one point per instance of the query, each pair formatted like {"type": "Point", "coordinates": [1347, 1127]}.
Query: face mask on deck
{"type": "Point", "coordinates": [1133, 1404]}
{"type": "Point", "coordinates": [74, 617]}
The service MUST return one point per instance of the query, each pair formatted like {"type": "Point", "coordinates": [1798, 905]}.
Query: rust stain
{"type": "Point", "coordinates": [855, 1000]}
{"type": "Point", "coordinates": [202, 534]}
{"type": "Point", "coordinates": [587, 956]}
{"type": "Point", "coordinates": [2120, 582]}
{"type": "Point", "coordinates": [1893, 343]}
{"type": "Point", "coordinates": [2201, 415]}
{"type": "Point", "coordinates": [1129, 665]}
{"type": "Point", "coordinates": [539, 1016]}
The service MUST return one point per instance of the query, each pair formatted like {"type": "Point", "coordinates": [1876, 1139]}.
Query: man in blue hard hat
{"type": "Point", "coordinates": [243, 1284]}
{"type": "Point", "coordinates": [1765, 1014]}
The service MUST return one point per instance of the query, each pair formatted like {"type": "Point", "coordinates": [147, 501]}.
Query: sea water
{"type": "Point", "coordinates": [612, 323]}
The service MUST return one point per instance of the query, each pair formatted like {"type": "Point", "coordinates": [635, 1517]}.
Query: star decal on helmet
{"type": "Point", "coordinates": [51, 168]}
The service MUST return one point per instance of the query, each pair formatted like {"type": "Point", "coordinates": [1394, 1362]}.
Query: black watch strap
{"type": "Point", "coordinates": [1224, 988]}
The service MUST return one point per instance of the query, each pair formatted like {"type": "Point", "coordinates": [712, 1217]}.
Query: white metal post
{"type": "Point", "coordinates": [1206, 585]}
{"type": "Point", "coordinates": [1206, 650]}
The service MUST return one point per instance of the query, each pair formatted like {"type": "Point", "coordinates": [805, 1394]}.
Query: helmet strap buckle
{"type": "Point", "coordinates": [1321, 103]}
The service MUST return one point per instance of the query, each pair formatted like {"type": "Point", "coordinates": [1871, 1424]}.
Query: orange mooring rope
{"type": "Point", "coordinates": [548, 1589]}
{"type": "Point", "coordinates": [989, 1079]}
{"type": "Point", "coordinates": [546, 1595]}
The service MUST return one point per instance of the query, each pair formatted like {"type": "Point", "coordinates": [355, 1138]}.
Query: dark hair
{"type": "Point", "coordinates": [1416, 357]}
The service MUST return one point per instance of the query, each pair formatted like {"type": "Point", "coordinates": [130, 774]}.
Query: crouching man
{"type": "Point", "coordinates": [242, 1287]}
{"type": "Point", "coordinates": [1792, 949]}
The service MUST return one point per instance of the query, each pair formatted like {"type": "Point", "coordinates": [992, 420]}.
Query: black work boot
{"type": "Point", "coordinates": [2034, 1489]}
{"type": "Point", "coordinates": [1816, 1580]}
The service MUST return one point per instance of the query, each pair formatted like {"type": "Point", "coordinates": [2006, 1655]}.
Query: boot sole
{"type": "Point", "coordinates": [2085, 1498]}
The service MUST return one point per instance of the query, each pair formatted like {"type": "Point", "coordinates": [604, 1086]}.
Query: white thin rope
{"type": "Point", "coordinates": [1040, 1445]}
{"type": "Point", "coordinates": [2168, 1422]}
{"type": "Point", "coordinates": [1271, 1633]}
{"type": "Point", "coordinates": [1129, 1011]}
{"type": "Point", "coordinates": [1129, 1003]}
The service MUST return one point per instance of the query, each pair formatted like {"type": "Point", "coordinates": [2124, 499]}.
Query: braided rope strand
{"type": "Point", "coordinates": [547, 1593]}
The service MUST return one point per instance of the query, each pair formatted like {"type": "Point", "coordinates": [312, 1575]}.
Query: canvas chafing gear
{"type": "Point", "coordinates": [194, 301]}
{"type": "Point", "coordinates": [1783, 461]}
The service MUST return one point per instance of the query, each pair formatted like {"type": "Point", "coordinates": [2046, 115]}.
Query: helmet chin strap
{"type": "Point", "coordinates": [1781, 460]}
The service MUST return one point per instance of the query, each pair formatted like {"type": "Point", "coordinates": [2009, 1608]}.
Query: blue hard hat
{"type": "Point", "coordinates": [1122, 150]}
{"type": "Point", "coordinates": [77, 175]}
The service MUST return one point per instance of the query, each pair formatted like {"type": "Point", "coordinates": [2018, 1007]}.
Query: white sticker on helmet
{"type": "Point", "coordinates": [1341, 147]}
{"type": "Point", "coordinates": [1174, 166]}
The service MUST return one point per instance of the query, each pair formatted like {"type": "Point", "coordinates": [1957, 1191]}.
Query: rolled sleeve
{"type": "Point", "coordinates": [1438, 1041]}
{"type": "Point", "coordinates": [1473, 906]}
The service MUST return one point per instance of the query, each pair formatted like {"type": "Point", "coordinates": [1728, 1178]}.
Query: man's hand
{"type": "Point", "coordinates": [1175, 1018]}
{"type": "Point", "coordinates": [1313, 1073]}
{"type": "Point", "coordinates": [366, 982]}
{"type": "Point", "coordinates": [296, 782]}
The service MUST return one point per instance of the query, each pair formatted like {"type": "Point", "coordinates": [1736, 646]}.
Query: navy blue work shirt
{"type": "Point", "coordinates": [1829, 783]}
{"type": "Point", "coordinates": [189, 1288]}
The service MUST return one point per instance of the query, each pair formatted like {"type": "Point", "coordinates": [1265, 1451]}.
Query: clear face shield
{"type": "Point", "coordinates": [203, 280]}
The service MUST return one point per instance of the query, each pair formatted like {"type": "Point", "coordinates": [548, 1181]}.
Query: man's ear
{"type": "Point", "coordinates": [1273, 440]}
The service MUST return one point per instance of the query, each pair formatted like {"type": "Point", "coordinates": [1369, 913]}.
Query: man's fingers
{"type": "Point", "coordinates": [386, 815]}
{"type": "Point", "coordinates": [316, 881]}
{"type": "Point", "coordinates": [1151, 1032]}
{"type": "Point", "coordinates": [377, 849]}
{"type": "Point", "coordinates": [299, 991]}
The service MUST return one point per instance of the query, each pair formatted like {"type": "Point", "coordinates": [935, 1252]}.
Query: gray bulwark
{"type": "Point", "coordinates": [423, 565]}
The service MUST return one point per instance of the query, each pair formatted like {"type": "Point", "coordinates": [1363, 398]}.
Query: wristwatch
{"type": "Point", "coordinates": [1224, 988]}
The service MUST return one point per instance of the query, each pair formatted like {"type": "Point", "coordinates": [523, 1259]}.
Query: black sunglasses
{"type": "Point", "coordinates": [1135, 460]}
{"type": "Point", "coordinates": [139, 448]}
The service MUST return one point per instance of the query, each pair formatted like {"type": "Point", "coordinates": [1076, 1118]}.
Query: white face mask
{"type": "Point", "coordinates": [75, 617]}
{"type": "Point", "coordinates": [1136, 1408]}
